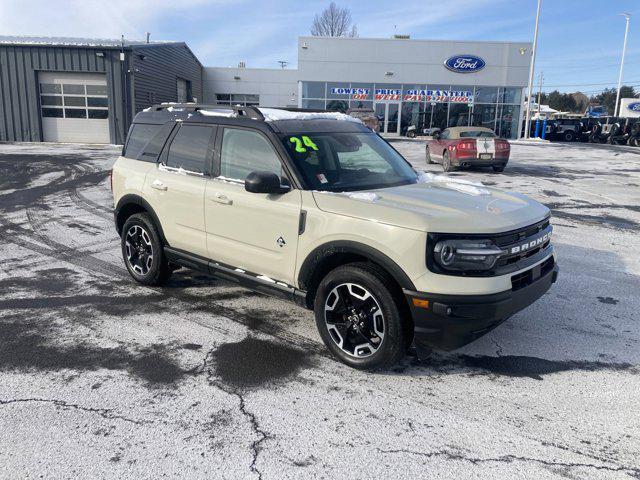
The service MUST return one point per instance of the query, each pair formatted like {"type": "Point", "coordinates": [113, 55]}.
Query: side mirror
{"type": "Point", "coordinates": [265, 182]}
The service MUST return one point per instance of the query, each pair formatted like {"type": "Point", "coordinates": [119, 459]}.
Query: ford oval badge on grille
{"type": "Point", "coordinates": [464, 63]}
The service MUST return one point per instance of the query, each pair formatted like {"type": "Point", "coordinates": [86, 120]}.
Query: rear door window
{"type": "Point", "coordinates": [191, 149]}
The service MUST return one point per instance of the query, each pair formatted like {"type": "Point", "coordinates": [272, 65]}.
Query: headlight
{"type": "Point", "coordinates": [463, 255]}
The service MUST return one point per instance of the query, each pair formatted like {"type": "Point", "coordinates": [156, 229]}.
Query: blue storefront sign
{"type": "Point", "coordinates": [464, 63]}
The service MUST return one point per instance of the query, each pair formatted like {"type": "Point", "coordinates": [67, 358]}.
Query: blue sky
{"type": "Point", "coordinates": [579, 46]}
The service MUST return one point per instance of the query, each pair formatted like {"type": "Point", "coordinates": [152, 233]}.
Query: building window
{"type": "Point", "coordinates": [70, 100]}
{"type": "Point", "coordinates": [244, 100]}
{"type": "Point", "coordinates": [425, 105]}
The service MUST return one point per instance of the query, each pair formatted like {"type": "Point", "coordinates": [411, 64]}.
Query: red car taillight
{"type": "Point", "coordinates": [467, 145]}
{"type": "Point", "coordinates": [502, 145]}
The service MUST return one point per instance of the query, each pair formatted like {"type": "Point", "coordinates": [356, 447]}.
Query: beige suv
{"type": "Point", "coordinates": [317, 208]}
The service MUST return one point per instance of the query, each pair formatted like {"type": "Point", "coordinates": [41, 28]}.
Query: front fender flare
{"type": "Point", "coordinates": [325, 250]}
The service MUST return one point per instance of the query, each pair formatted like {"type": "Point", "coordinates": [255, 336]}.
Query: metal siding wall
{"type": "Point", "coordinates": [155, 76]}
{"type": "Point", "coordinates": [19, 100]}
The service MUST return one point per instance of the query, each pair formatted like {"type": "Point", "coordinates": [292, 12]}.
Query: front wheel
{"type": "Point", "coordinates": [429, 161]}
{"type": "Point", "coordinates": [569, 136]}
{"type": "Point", "coordinates": [359, 318]}
{"type": "Point", "coordinates": [143, 252]}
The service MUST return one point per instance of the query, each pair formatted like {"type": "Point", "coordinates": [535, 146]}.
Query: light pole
{"type": "Point", "coordinates": [627, 16]}
{"type": "Point", "coordinates": [527, 122]}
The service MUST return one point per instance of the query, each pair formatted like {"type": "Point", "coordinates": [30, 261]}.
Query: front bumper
{"type": "Point", "coordinates": [452, 321]}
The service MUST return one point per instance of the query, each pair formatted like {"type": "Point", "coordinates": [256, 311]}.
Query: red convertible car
{"type": "Point", "coordinates": [468, 146]}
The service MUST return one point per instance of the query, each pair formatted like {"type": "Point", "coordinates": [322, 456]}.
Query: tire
{"type": "Point", "coordinates": [446, 162]}
{"type": "Point", "coordinates": [143, 252]}
{"type": "Point", "coordinates": [359, 319]}
{"type": "Point", "coordinates": [569, 136]}
{"type": "Point", "coordinates": [498, 168]}
{"type": "Point", "coordinates": [411, 134]}
{"type": "Point", "coordinates": [429, 161]}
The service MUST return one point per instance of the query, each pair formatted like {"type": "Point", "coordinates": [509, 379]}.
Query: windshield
{"type": "Point", "coordinates": [477, 134]}
{"type": "Point", "coordinates": [347, 161]}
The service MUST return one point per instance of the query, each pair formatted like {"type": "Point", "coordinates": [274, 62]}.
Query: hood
{"type": "Point", "coordinates": [444, 206]}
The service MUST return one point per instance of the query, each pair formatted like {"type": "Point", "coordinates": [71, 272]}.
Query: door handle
{"type": "Point", "coordinates": [158, 185]}
{"type": "Point", "coordinates": [223, 199]}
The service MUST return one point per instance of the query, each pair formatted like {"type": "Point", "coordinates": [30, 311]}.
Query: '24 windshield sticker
{"type": "Point", "coordinates": [301, 143]}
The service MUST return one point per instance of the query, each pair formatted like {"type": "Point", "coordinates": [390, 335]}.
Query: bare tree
{"type": "Point", "coordinates": [334, 21]}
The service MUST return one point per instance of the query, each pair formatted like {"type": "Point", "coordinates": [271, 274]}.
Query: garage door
{"type": "Point", "coordinates": [74, 107]}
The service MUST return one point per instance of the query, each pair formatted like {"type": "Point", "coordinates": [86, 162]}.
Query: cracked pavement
{"type": "Point", "coordinates": [103, 378]}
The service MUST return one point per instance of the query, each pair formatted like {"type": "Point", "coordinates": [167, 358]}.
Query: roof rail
{"type": "Point", "coordinates": [241, 111]}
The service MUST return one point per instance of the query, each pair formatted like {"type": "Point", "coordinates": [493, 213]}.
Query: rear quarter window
{"type": "Point", "coordinates": [145, 141]}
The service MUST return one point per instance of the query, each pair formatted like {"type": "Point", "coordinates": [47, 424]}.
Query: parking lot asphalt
{"type": "Point", "coordinates": [103, 378]}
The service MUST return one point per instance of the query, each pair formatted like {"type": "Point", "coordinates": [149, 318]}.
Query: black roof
{"type": "Point", "coordinates": [243, 116]}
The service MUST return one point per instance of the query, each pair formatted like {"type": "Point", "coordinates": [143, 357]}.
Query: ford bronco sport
{"type": "Point", "coordinates": [317, 208]}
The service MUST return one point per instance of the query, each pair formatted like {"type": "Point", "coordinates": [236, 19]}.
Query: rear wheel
{"type": "Point", "coordinates": [142, 251]}
{"type": "Point", "coordinates": [446, 162]}
{"type": "Point", "coordinates": [498, 168]}
{"type": "Point", "coordinates": [359, 318]}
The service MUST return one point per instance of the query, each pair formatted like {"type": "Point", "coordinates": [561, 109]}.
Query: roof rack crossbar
{"type": "Point", "coordinates": [241, 111]}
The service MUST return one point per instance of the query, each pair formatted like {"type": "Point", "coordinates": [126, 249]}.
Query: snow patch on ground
{"type": "Point", "coordinates": [464, 186]}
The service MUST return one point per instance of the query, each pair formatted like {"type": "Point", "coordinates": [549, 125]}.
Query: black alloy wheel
{"type": "Point", "coordinates": [143, 252]}
{"type": "Point", "coordinates": [354, 320]}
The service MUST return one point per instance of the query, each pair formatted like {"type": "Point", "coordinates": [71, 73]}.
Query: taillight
{"type": "Point", "coordinates": [502, 145]}
{"type": "Point", "coordinates": [467, 145]}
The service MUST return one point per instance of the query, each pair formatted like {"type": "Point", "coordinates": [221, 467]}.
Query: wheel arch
{"type": "Point", "coordinates": [131, 204]}
{"type": "Point", "coordinates": [328, 256]}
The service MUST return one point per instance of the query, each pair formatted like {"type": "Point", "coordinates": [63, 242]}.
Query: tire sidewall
{"type": "Point", "coordinates": [154, 272]}
{"type": "Point", "coordinates": [446, 162]}
{"type": "Point", "coordinates": [387, 351]}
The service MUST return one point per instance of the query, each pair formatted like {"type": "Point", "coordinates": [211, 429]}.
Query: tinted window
{"type": "Point", "coordinates": [138, 137]}
{"type": "Point", "coordinates": [244, 151]}
{"type": "Point", "coordinates": [98, 114]}
{"type": "Point", "coordinates": [52, 112]}
{"type": "Point", "coordinates": [445, 134]}
{"type": "Point", "coordinates": [190, 148]}
{"type": "Point", "coordinates": [477, 134]}
{"type": "Point", "coordinates": [153, 148]}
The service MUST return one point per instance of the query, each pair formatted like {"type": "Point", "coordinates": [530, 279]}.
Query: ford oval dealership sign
{"type": "Point", "coordinates": [634, 107]}
{"type": "Point", "coordinates": [464, 63]}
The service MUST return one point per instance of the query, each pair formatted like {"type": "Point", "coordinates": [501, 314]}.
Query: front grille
{"type": "Point", "coordinates": [527, 277]}
{"type": "Point", "coordinates": [513, 259]}
{"type": "Point", "coordinates": [516, 239]}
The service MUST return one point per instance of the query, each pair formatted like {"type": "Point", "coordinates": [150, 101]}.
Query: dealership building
{"type": "Point", "coordinates": [426, 83]}
{"type": "Point", "coordinates": [73, 90]}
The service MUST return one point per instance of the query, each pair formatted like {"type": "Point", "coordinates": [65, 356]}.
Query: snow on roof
{"type": "Point", "coordinates": [74, 42]}
{"type": "Point", "coordinates": [222, 112]}
{"type": "Point", "coordinates": [274, 114]}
